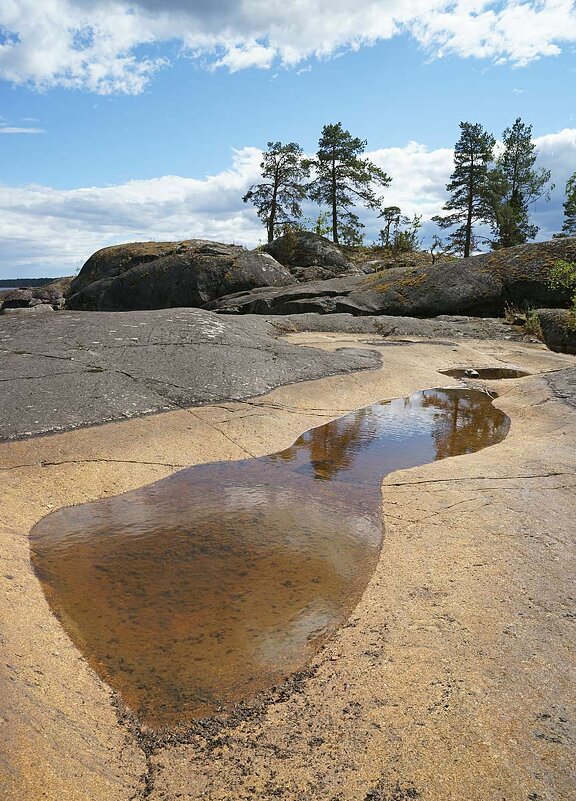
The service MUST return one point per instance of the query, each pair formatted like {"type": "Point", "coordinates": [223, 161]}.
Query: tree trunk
{"type": "Point", "coordinates": [272, 217]}
{"type": "Point", "coordinates": [334, 207]}
{"type": "Point", "coordinates": [470, 211]}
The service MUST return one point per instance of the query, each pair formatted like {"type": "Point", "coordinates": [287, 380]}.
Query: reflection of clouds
{"type": "Point", "coordinates": [283, 643]}
{"type": "Point", "coordinates": [403, 417]}
{"type": "Point", "coordinates": [258, 496]}
{"type": "Point", "coordinates": [305, 526]}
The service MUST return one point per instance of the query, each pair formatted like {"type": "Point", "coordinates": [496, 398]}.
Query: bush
{"type": "Point", "coordinates": [563, 276]}
{"type": "Point", "coordinates": [532, 325]}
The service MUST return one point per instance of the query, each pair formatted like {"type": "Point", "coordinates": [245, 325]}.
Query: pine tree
{"type": "Point", "coordinates": [516, 184]}
{"type": "Point", "coordinates": [392, 218]}
{"type": "Point", "coordinates": [344, 179]}
{"type": "Point", "coordinates": [278, 200]}
{"type": "Point", "coordinates": [569, 226]}
{"type": "Point", "coordinates": [469, 186]}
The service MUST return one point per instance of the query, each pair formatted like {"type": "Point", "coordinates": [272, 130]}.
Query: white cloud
{"type": "Point", "coordinates": [50, 231]}
{"type": "Point", "coordinates": [558, 154]}
{"type": "Point", "coordinates": [108, 46]}
{"type": "Point", "coordinates": [46, 231]}
{"type": "Point", "coordinates": [10, 129]}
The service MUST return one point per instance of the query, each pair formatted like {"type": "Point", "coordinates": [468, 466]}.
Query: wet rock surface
{"type": "Point", "coordinates": [481, 285]}
{"type": "Point", "coordinates": [158, 275]}
{"type": "Point", "coordinates": [73, 369]}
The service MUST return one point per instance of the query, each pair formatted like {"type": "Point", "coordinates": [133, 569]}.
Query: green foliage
{"type": "Point", "coordinates": [407, 239]}
{"type": "Point", "coordinates": [569, 226]}
{"type": "Point", "coordinates": [514, 185]}
{"type": "Point", "coordinates": [400, 233]}
{"type": "Point", "coordinates": [322, 225]}
{"type": "Point", "coordinates": [289, 243]}
{"type": "Point", "coordinates": [469, 186]}
{"type": "Point", "coordinates": [343, 179]}
{"type": "Point", "coordinates": [351, 232]}
{"type": "Point", "coordinates": [563, 276]}
{"type": "Point", "coordinates": [392, 216]}
{"type": "Point", "coordinates": [278, 199]}
{"type": "Point", "coordinates": [532, 325]}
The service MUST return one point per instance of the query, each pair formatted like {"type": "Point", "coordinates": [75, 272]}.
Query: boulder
{"type": "Point", "coordinates": [50, 296]}
{"type": "Point", "coordinates": [558, 329]}
{"type": "Point", "coordinates": [157, 275]}
{"type": "Point", "coordinates": [36, 309]}
{"type": "Point", "coordinates": [302, 250]}
{"type": "Point", "coordinates": [482, 285]}
{"type": "Point", "coordinates": [17, 298]}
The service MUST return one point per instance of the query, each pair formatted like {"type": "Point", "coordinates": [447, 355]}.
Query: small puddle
{"type": "Point", "coordinates": [202, 589]}
{"type": "Point", "coordinates": [486, 373]}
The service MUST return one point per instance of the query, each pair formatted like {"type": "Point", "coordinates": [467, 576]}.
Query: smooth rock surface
{"type": "Point", "coordinates": [563, 384]}
{"type": "Point", "coordinates": [451, 680]}
{"type": "Point", "coordinates": [444, 326]}
{"type": "Point", "coordinates": [158, 275]}
{"type": "Point", "coordinates": [481, 285]}
{"type": "Point", "coordinates": [72, 369]}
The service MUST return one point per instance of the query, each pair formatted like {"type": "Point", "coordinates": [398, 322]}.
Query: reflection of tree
{"type": "Point", "coordinates": [465, 422]}
{"type": "Point", "coordinates": [332, 447]}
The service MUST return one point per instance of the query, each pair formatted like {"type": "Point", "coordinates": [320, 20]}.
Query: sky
{"type": "Point", "coordinates": [124, 121]}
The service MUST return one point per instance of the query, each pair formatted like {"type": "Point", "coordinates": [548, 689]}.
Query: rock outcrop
{"type": "Point", "coordinates": [558, 329]}
{"type": "Point", "coordinates": [443, 327]}
{"type": "Point", "coordinates": [309, 256]}
{"type": "Point", "coordinates": [74, 369]}
{"type": "Point", "coordinates": [481, 285]}
{"type": "Point", "coordinates": [32, 299]}
{"type": "Point", "coordinates": [158, 275]}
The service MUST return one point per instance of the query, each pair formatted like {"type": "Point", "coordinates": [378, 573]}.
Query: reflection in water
{"type": "Point", "coordinates": [202, 589]}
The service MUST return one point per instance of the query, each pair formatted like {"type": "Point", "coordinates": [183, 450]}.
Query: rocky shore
{"type": "Point", "coordinates": [450, 680]}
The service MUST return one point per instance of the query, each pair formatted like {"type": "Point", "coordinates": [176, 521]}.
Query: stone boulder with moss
{"type": "Point", "coordinates": [158, 275]}
{"type": "Point", "coordinates": [482, 285]}
{"type": "Point", "coordinates": [310, 256]}
{"type": "Point", "coordinates": [558, 327]}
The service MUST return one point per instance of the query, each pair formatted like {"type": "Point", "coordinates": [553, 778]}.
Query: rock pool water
{"type": "Point", "coordinates": [486, 373]}
{"type": "Point", "coordinates": [203, 589]}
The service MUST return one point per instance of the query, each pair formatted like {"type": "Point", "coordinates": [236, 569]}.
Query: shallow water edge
{"type": "Point", "coordinates": [209, 586]}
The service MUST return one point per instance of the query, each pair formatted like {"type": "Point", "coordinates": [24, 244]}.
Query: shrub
{"type": "Point", "coordinates": [563, 276]}
{"type": "Point", "coordinates": [532, 325]}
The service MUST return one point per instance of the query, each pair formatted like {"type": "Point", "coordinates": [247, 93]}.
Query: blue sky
{"type": "Point", "coordinates": [126, 121]}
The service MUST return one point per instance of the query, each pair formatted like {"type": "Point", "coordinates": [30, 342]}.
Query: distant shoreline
{"type": "Point", "coordinates": [12, 283]}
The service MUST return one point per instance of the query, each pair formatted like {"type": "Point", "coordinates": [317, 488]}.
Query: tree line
{"type": "Point", "coordinates": [490, 188]}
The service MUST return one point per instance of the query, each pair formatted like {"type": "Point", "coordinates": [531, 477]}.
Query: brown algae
{"type": "Point", "coordinates": [202, 589]}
